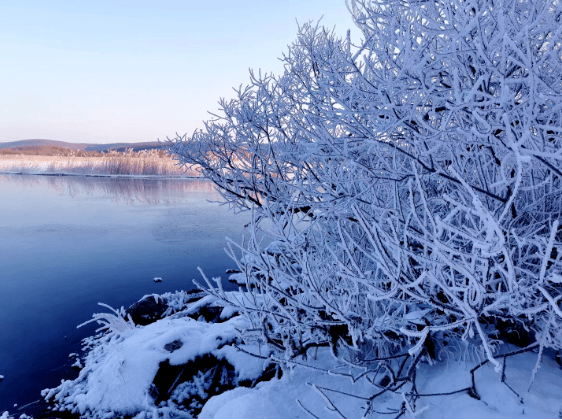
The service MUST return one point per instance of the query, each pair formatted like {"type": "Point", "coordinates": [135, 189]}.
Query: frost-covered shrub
{"type": "Point", "coordinates": [411, 183]}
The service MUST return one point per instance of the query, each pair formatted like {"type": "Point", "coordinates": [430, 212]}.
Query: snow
{"type": "Point", "coordinates": [240, 360]}
{"type": "Point", "coordinates": [118, 372]}
{"type": "Point", "coordinates": [278, 398]}
{"type": "Point", "coordinates": [231, 401]}
{"type": "Point", "coordinates": [238, 278]}
{"type": "Point", "coordinates": [542, 400]}
{"type": "Point", "coordinates": [6, 415]}
{"type": "Point", "coordinates": [228, 312]}
{"type": "Point", "coordinates": [121, 365]}
{"type": "Point", "coordinates": [77, 364]}
{"type": "Point", "coordinates": [120, 369]}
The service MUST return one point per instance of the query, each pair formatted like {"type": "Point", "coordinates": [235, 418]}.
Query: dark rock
{"type": "Point", "coordinates": [519, 337]}
{"type": "Point", "coordinates": [200, 379]}
{"type": "Point", "coordinates": [271, 371]}
{"type": "Point", "coordinates": [208, 313]}
{"type": "Point", "coordinates": [157, 279]}
{"type": "Point", "coordinates": [232, 271]}
{"type": "Point", "coordinates": [191, 385]}
{"type": "Point", "coordinates": [194, 295]}
{"type": "Point", "coordinates": [514, 333]}
{"type": "Point", "coordinates": [384, 381]}
{"type": "Point", "coordinates": [146, 310]}
{"type": "Point", "coordinates": [173, 346]}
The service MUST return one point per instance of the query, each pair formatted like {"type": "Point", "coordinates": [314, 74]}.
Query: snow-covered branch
{"type": "Point", "coordinates": [410, 183]}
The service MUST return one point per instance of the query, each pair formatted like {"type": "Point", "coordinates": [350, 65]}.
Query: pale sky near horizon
{"type": "Point", "coordinates": [109, 71]}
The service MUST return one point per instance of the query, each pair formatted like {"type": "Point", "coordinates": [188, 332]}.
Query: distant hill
{"type": "Point", "coordinates": [47, 151]}
{"type": "Point", "coordinates": [40, 143]}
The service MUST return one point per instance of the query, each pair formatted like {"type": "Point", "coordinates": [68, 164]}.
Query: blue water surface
{"type": "Point", "coordinates": [67, 243]}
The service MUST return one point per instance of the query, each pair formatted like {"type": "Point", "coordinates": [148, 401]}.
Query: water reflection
{"type": "Point", "coordinates": [123, 190]}
{"type": "Point", "coordinates": [67, 243]}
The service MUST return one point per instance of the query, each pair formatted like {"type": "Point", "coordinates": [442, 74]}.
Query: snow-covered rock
{"type": "Point", "coordinates": [167, 368]}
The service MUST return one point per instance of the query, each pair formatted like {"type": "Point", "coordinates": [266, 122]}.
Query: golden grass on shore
{"type": "Point", "coordinates": [145, 163]}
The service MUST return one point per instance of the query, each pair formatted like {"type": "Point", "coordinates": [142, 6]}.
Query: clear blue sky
{"type": "Point", "coordinates": [125, 71]}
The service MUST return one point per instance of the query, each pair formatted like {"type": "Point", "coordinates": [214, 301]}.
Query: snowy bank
{"type": "Point", "coordinates": [180, 365]}
{"type": "Point", "coordinates": [167, 368]}
{"type": "Point", "coordinates": [315, 391]}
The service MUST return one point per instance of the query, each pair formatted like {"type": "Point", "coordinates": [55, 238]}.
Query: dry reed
{"type": "Point", "coordinates": [144, 163]}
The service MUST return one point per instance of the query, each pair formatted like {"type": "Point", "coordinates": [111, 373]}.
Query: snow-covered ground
{"type": "Point", "coordinates": [280, 398]}
{"type": "Point", "coordinates": [120, 367]}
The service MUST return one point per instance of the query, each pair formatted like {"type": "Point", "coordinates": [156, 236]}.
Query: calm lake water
{"type": "Point", "coordinates": [67, 243]}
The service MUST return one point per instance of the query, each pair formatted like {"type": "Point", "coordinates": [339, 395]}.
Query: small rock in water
{"type": "Point", "coordinates": [1, 378]}
{"type": "Point", "coordinates": [157, 279]}
{"type": "Point", "coordinates": [77, 364]}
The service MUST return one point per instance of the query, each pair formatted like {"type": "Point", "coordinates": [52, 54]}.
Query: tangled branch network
{"type": "Point", "coordinates": [410, 184]}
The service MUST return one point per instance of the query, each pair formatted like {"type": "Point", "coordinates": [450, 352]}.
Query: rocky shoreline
{"type": "Point", "coordinates": [223, 376]}
{"type": "Point", "coordinates": [179, 357]}
{"type": "Point", "coordinates": [177, 389]}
